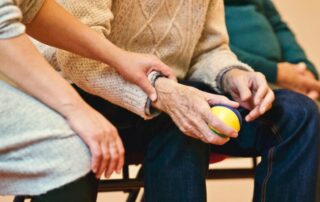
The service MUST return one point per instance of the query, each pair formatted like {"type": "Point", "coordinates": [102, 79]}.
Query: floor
{"type": "Point", "coordinates": [218, 190]}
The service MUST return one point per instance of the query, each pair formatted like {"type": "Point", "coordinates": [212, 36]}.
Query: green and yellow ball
{"type": "Point", "coordinates": [228, 115]}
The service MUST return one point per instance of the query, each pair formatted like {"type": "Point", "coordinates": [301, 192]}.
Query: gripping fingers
{"type": "Point", "coordinates": [208, 136]}
{"type": "Point", "coordinates": [218, 99]}
{"type": "Point", "coordinates": [219, 125]}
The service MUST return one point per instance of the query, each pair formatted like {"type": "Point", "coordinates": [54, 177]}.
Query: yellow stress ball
{"type": "Point", "coordinates": [230, 116]}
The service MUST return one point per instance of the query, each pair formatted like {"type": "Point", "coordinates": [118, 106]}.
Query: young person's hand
{"type": "Point", "coordinates": [102, 138]}
{"type": "Point", "coordinates": [55, 27]}
{"type": "Point", "coordinates": [135, 67]}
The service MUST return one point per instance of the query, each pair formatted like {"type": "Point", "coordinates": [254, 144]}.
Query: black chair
{"type": "Point", "coordinates": [134, 185]}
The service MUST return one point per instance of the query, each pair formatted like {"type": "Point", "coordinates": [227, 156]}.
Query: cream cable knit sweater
{"type": "Point", "coordinates": [188, 35]}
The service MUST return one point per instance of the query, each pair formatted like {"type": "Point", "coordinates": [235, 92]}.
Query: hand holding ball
{"type": "Point", "coordinates": [228, 115]}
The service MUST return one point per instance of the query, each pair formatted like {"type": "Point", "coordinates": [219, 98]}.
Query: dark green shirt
{"type": "Point", "coordinates": [260, 38]}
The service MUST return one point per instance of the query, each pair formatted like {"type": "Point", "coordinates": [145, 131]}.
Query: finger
{"type": "Point", "coordinates": [262, 90]}
{"type": "Point", "coordinates": [314, 95]}
{"type": "Point", "coordinates": [96, 156]}
{"type": "Point", "coordinates": [121, 153]}
{"type": "Point", "coordinates": [113, 159]}
{"type": "Point", "coordinates": [253, 114]}
{"type": "Point", "coordinates": [146, 86]}
{"type": "Point", "coordinates": [165, 70]}
{"type": "Point", "coordinates": [265, 105]}
{"type": "Point", "coordinates": [218, 140]}
{"type": "Point", "coordinates": [218, 125]}
{"type": "Point", "coordinates": [209, 136]}
{"type": "Point", "coordinates": [202, 130]}
{"type": "Point", "coordinates": [105, 158]}
{"type": "Point", "coordinates": [310, 84]}
{"type": "Point", "coordinates": [218, 99]}
{"type": "Point", "coordinates": [244, 91]}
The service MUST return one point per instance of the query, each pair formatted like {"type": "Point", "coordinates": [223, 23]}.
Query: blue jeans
{"type": "Point", "coordinates": [175, 165]}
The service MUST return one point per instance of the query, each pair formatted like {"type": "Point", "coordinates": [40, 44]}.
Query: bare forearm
{"type": "Point", "coordinates": [25, 66]}
{"type": "Point", "coordinates": [55, 27]}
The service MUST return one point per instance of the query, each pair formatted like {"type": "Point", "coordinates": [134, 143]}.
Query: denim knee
{"type": "Point", "coordinates": [296, 103]}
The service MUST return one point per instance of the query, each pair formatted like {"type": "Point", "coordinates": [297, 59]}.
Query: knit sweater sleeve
{"type": "Point", "coordinates": [291, 50]}
{"type": "Point", "coordinates": [93, 76]}
{"type": "Point", "coordinates": [10, 20]}
{"type": "Point", "coordinates": [213, 55]}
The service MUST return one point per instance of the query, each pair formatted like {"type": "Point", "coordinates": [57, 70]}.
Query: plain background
{"type": "Point", "coordinates": [304, 18]}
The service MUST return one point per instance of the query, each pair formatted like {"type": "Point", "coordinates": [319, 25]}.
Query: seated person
{"type": "Point", "coordinates": [50, 139]}
{"type": "Point", "coordinates": [260, 38]}
{"type": "Point", "coordinates": [191, 38]}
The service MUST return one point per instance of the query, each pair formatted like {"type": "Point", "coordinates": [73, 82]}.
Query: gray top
{"type": "Point", "coordinates": [15, 13]}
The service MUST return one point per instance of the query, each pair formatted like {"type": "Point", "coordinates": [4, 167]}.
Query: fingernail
{"type": "Point", "coordinates": [248, 118]}
{"type": "Point", "coordinates": [153, 97]}
{"type": "Point", "coordinates": [263, 109]}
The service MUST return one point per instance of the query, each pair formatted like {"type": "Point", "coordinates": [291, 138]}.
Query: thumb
{"type": "Point", "coordinates": [148, 88]}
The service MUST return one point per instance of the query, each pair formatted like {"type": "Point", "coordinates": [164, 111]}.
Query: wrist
{"type": "Point", "coordinates": [165, 88]}
{"type": "Point", "coordinates": [113, 55]}
{"type": "Point", "coordinates": [68, 108]}
{"type": "Point", "coordinates": [227, 77]}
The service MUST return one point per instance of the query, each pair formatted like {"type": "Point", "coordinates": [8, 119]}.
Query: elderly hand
{"type": "Point", "coordinates": [298, 78]}
{"type": "Point", "coordinates": [100, 136]}
{"type": "Point", "coordinates": [189, 108]}
{"type": "Point", "coordinates": [135, 68]}
{"type": "Point", "coordinates": [251, 90]}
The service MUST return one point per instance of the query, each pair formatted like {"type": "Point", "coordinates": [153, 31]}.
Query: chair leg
{"type": "Point", "coordinates": [133, 194]}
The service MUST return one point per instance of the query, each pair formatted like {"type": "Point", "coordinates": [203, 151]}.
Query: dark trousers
{"type": "Point", "coordinates": [82, 190]}
{"type": "Point", "coordinates": [175, 165]}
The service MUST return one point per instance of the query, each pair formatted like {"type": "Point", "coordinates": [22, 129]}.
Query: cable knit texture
{"type": "Point", "coordinates": [188, 35]}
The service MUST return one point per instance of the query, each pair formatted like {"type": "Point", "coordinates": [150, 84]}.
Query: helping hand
{"type": "Point", "coordinates": [135, 68]}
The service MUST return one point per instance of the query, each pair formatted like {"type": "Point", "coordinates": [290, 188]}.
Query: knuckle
{"type": "Point", "coordinates": [106, 156]}
{"type": "Point", "coordinates": [259, 74]}
{"type": "Point", "coordinates": [115, 156]}
{"type": "Point", "coordinates": [97, 154]}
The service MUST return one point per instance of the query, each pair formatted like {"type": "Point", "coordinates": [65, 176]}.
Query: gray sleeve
{"type": "Point", "coordinates": [10, 20]}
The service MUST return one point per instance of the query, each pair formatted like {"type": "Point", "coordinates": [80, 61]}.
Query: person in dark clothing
{"type": "Point", "coordinates": [260, 38]}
